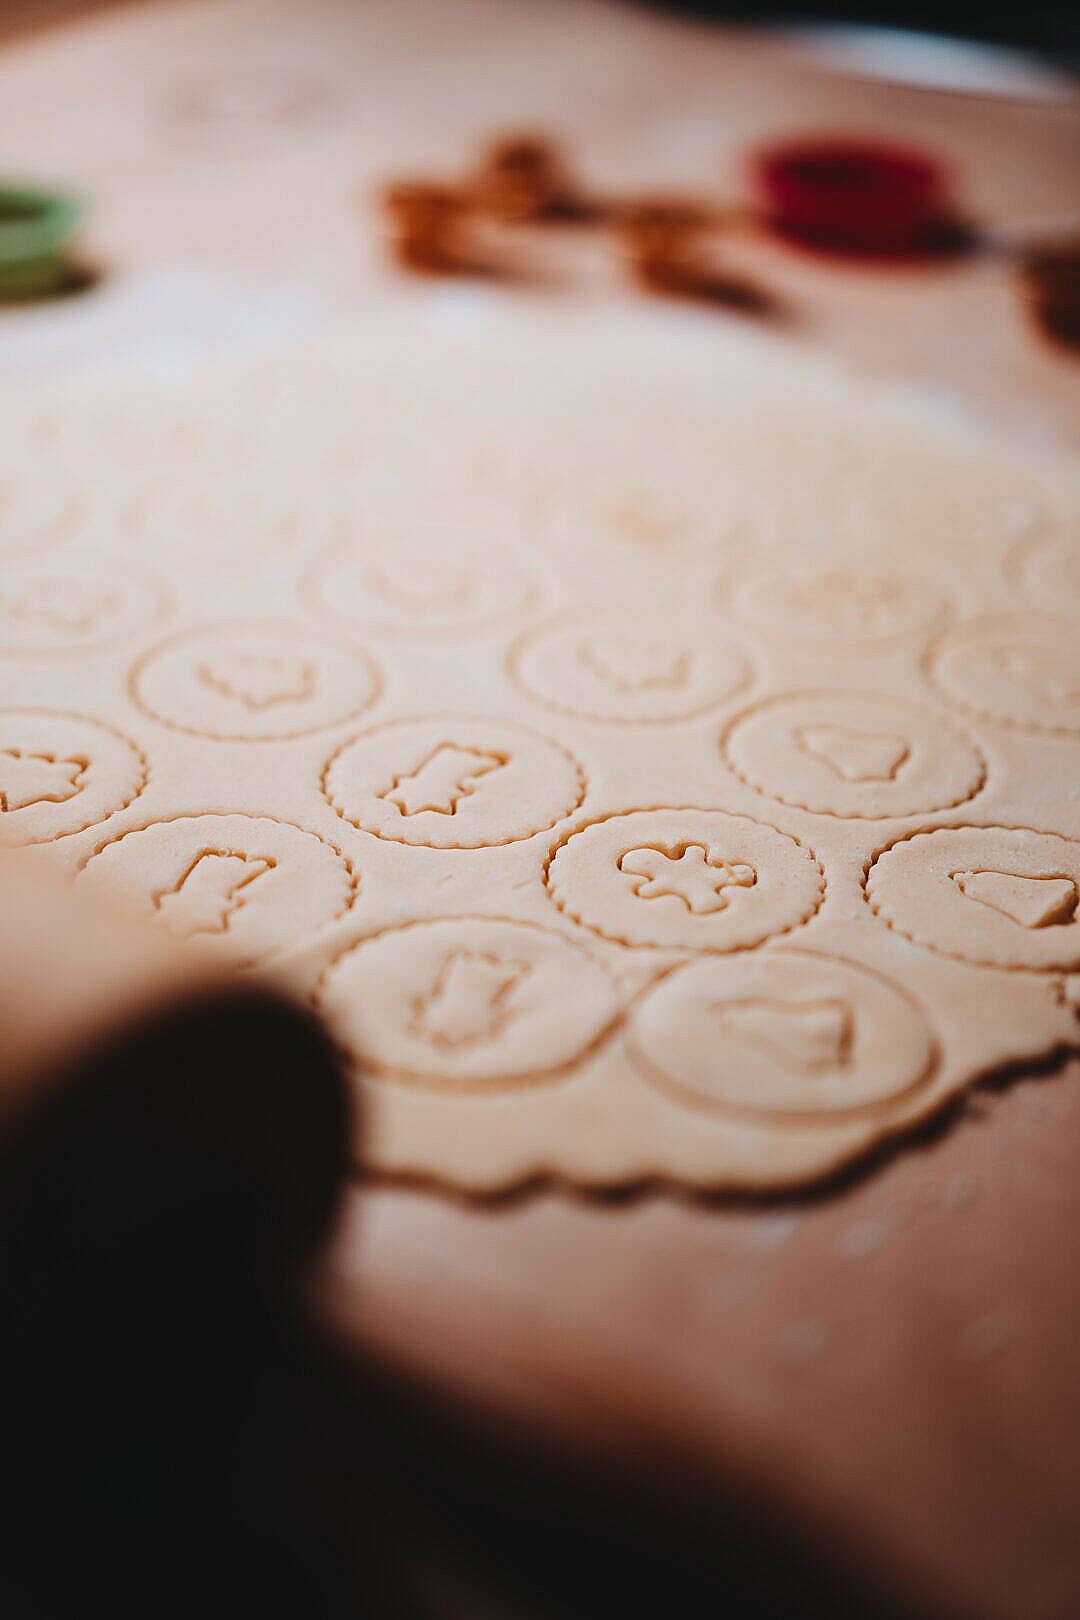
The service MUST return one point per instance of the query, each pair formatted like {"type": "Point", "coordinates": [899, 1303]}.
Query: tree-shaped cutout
{"type": "Point", "coordinates": [470, 1000]}
{"type": "Point", "coordinates": [447, 775]}
{"type": "Point", "coordinates": [210, 892]}
{"type": "Point", "coordinates": [33, 778]}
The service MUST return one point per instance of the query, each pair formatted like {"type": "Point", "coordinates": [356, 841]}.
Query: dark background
{"type": "Point", "coordinates": [1050, 27]}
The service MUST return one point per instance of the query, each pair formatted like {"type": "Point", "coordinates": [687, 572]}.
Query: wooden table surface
{"type": "Point", "coordinates": [893, 1361]}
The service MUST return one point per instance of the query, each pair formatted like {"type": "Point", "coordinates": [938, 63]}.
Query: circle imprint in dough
{"type": "Point", "coordinates": [421, 585]}
{"type": "Point", "coordinates": [253, 680]}
{"type": "Point", "coordinates": [839, 604]}
{"type": "Point", "coordinates": [245, 886]}
{"type": "Point", "coordinates": [782, 1032]}
{"type": "Point", "coordinates": [699, 880]}
{"type": "Point", "coordinates": [35, 511]}
{"type": "Point", "coordinates": [71, 610]}
{"type": "Point", "coordinates": [60, 773]}
{"type": "Point", "coordinates": [1048, 564]}
{"type": "Point", "coordinates": [453, 782]}
{"type": "Point", "coordinates": [215, 518]}
{"type": "Point", "coordinates": [1022, 667]}
{"type": "Point", "coordinates": [627, 668]}
{"type": "Point", "coordinates": [468, 1004]}
{"type": "Point", "coordinates": [839, 754]}
{"type": "Point", "coordinates": [996, 896]}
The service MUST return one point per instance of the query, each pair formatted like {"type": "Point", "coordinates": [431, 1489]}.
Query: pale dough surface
{"type": "Point", "coordinates": [657, 755]}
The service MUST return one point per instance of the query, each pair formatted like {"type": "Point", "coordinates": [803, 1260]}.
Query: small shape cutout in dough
{"type": "Point", "coordinates": [1000, 896]}
{"type": "Point", "coordinates": [71, 609]}
{"type": "Point", "coordinates": [465, 1004]}
{"type": "Point", "coordinates": [253, 680]}
{"type": "Point", "coordinates": [841, 604]}
{"type": "Point", "coordinates": [632, 664]}
{"type": "Point", "coordinates": [448, 775]}
{"type": "Point", "coordinates": [745, 882]}
{"type": "Point", "coordinates": [210, 892]}
{"type": "Point", "coordinates": [259, 680]}
{"type": "Point", "coordinates": [782, 1031]}
{"type": "Point", "coordinates": [856, 756]}
{"type": "Point", "coordinates": [619, 666]}
{"type": "Point", "coordinates": [691, 874]}
{"type": "Point", "coordinates": [244, 886]}
{"type": "Point", "coordinates": [808, 1035]}
{"type": "Point", "coordinates": [430, 585]}
{"type": "Point", "coordinates": [29, 778]}
{"type": "Point", "coordinates": [470, 999]}
{"type": "Point", "coordinates": [1033, 902]}
{"type": "Point", "coordinates": [1023, 668]}
{"type": "Point", "coordinates": [453, 783]}
{"type": "Point", "coordinates": [60, 773]}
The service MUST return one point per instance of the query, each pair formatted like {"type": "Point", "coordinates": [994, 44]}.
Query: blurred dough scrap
{"type": "Point", "coordinates": [655, 752]}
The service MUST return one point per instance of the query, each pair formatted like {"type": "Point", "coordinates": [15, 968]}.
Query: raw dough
{"type": "Point", "coordinates": [657, 758]}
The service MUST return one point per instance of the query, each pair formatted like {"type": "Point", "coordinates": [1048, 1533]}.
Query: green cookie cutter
{"type": "Point", "coordinates": [36, 228]}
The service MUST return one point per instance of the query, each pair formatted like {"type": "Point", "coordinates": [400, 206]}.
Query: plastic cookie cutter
{"type": "Point", "coordinates": [36, 229]}
{"type": "Point", "coordinates": [842, 194]}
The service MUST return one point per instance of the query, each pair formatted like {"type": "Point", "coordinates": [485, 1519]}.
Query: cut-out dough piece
{"type": "Point", "coordinates": [1001, 896]}
{"type": "Point", "coordinates": [252, 680]}
{"type": "Point", "coordinates": [782, 1031]}
{"type": "Point", "coordinates": [470, 1000]}
{"type": "Point", "coordinates": [419, 585]}
{"type": "Point", "coordinates": [29, 778]}
{"type": "Point", "coordinates": [468, 1004]}
{"type": "Point", "coordinates": [634, 664]}
{"type": "Point", "coordinates": [58, 608]}
{"type": "Point", "coordinates": [1033, 902]}
{"type": "Point", "coordinates": [857, 756]}
{"type": "Point", "coordinates": [768, 882]}
{"type": "Point", "coordinates": [453, 783]}
{"type": "Point", "coordinates": [60, 773]}
{"type": "Point", "coordinates": [209, 893]}
{"type": "Point", "coordinates": [808, 1035]}
{"type": "Point", "coordinates": [440, 782]}
{"type": "Point", "coordinates": [244, 886]}
{"type": "Point", "coordinates": [1023, 668]}
{"type": "Point", "coordinates": [692, 875]}
{"type": "Point", "coordinates": [259, 680]}
{"type": "Point", "coordinates": [627, 668]}
{"type": "Point", "coordinates": [848, 754]}
{"type": "Point", "coordinates": [841, 602]}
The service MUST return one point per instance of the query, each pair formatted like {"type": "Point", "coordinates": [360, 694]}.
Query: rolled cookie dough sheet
{"type": "Point", "coordinates": [656, 757]}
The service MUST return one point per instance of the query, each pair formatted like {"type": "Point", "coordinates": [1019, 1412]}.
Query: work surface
{"type": "Point", "coordinates": [927, 1305]}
